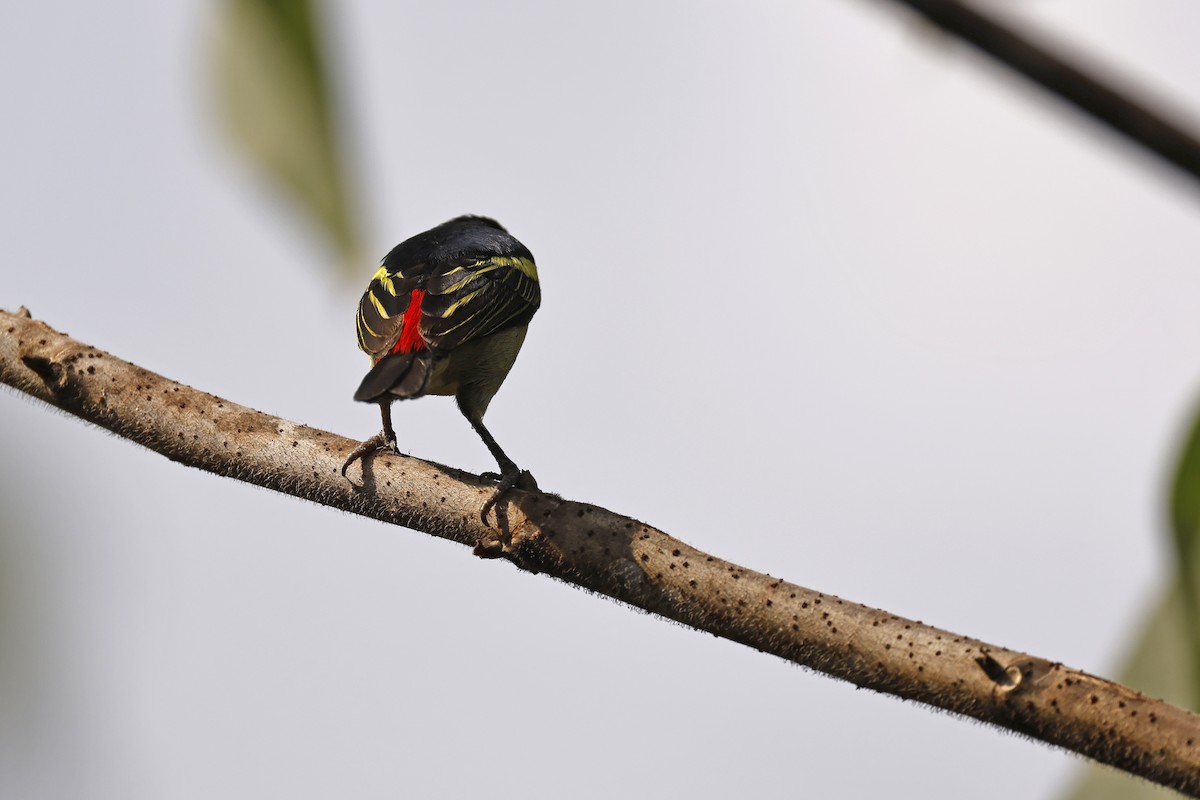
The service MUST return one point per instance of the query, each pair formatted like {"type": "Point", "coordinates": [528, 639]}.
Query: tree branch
{"type": "Point", "coordinates": [616, 556]}
{"type": "Point", "coordinates": [1019, 51]}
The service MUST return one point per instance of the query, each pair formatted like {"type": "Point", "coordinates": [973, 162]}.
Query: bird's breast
{"type": "Point", "coordinates": [481, 365]}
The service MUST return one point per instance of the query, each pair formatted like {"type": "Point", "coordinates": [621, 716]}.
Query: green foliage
{"type": "Point", "coordinates": [275, 94]}
{"type": "Point", "coordinates": [1160, 665]}
{"type": "Point", "coordinates": [1185, 528]}
{"type": "Point", "coordinates": [1165, 661]}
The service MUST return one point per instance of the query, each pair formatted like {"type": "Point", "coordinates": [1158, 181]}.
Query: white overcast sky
{"type": "Point", "coordinates": [824, 294]}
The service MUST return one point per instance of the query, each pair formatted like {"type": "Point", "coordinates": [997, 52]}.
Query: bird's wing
{"type": "Point", "coordinates": [381, 312]}
{"type": "Point", "coordinates": [476, 298]}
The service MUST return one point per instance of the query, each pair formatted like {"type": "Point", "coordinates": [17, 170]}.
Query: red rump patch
{"type": "Point", "coordinates": [410, 337]}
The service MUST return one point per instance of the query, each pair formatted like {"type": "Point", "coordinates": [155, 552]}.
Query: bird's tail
{"type": "Point", "coordinates": [397, 375]}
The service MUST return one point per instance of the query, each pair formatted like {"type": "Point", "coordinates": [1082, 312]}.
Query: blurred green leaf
{"type": "Point", "coordinates": [1185, 528]}
{"type": "Point", "coordinates": [274, 91]}
{"type": "Point", "coordinates": [1160, 666]}
{"type": "Point", "coordinates": [1165, 661]}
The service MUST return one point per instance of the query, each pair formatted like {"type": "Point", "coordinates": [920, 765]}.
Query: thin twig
{"type": "Point", "coordinates": [616, 556]}
{"type": "Point", "coordinates": [1150, 128]}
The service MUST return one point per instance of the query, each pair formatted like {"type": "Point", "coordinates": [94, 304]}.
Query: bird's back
{"type": "Point", "coordinates": [465, 279]}
{"type": "Point", "coordinates": [445, 291]}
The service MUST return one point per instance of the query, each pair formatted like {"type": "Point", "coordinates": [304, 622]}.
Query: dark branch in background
{"type": "Point", "coordinates": [1145, 126]}
{"type": "Point", "coordinates": [616, 556]}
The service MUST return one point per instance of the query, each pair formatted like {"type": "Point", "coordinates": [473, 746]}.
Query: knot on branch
{"type": "Point", "coordinates": [1005, 678]}
{"type": "Point", "coordinates": [51, 372]}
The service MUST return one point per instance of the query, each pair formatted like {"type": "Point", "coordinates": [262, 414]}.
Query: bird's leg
{"type": "Point", "coordinates": [384, 440]}
{"type": "Point", "coordinates": [511, 476]}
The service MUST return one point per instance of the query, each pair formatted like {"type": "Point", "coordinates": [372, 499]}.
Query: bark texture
{"type": "Point", "coordinates": [610, 554]}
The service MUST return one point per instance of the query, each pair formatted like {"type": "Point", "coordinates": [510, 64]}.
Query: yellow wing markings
{"type": "Point", "coordinates": [378, 306]}
{"type": "Point", "coordinates": [459, 303]}
{"type": "Point", "coordinates": [362, 323]}
{"type": "Point", "coordinates": [491, 314]}
{"type": "Point", "coordinates": [471, 271]}
{"type": "Point", "coordinates": [385, 280]}
{"type": "Point", "coordinates": [523, 265]}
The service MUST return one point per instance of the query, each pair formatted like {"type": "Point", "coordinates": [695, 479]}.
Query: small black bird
{"type": "Point", "coordinates": [446, 314]}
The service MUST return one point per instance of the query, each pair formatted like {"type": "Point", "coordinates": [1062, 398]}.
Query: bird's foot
{"type": "Point", "coordinates": [519, 479]}
{"type": "Point", "coordinates": [378, 442]}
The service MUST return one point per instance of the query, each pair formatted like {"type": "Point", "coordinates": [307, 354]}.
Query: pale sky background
{"type": "Point", "coordinates": [824, 294]}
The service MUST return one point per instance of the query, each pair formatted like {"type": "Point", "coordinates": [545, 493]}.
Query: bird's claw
{"type": "Point", "coordinates": [378, 442]}
{"type": "Point", "coordinates": [521, 479]}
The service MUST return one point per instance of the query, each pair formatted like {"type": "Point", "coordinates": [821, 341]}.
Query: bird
{"type": "Point", "coordinates": [446, 314]}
